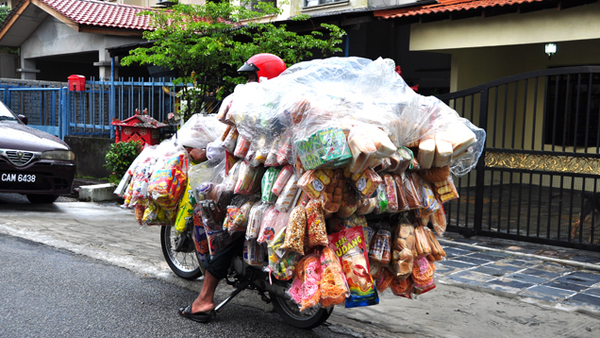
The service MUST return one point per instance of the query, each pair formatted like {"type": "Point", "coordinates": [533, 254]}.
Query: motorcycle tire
{"type": "Point", "coordinates": [183, 262]}
{"type": "Point", "coordinates": [290, 313]}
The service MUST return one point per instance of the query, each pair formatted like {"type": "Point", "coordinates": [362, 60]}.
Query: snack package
{"type": "Point", "coordinates": [349, 247]}
{"type": "Point", "coordinates": [305, 289]}
{"type": "Point", "coordinates": [317, 230]}
{"type": "Point", "coordinates": [403, 250]}
{"type": "Point", "coordinates": [185, 209]}
{"type": "Point", "coordinates": [379, 250]}
{"type": "Point", "coordinates": [384, 280]}
{"type": "Point", "coordinates": [268, 180]}
{"type": "Point", "coordinates": [333, 286]}
{"type": "Point", "coordinates": [248, 179]}
{"type": "Point", "coordinates": [438, 220]}
{"type": "Point", "coordinates": [402, 202]}
{"type": "Point", "coordinates": [381, 199]}
{"type": "Point", "coordinates": [296, 230]}
{"type": "Point", "coordinates": [282, 178]}
{"type": "Point", "coordinates": [349, 202]}
{"type": "Point", "coordinates": [253, 252]}
{"type": "Point", "coordinates": [241, 148]}
{"type": "Point", "coordinates": [445, 190]}
{"type": "Point", "coordinates": [325, 148]}
{"type": "Point", "coordinates": [288, 195]}
{"type": "Point", "coordinates": [200, 240]}
{"type": "Point", "coordinates": [255, 217]}
{"type": "Point", "coordinates": [422, 276]}
{"type": "Point", "coordinates": [268, 224]}
{"type": "Point", "coordinates": [168, 183]}
{"type": "Point", "coordinates": [365, 182]}
{"type": "Point", "coordinates": [391, 193]}
{"type": "Point", "coordinates": [311, 185]}
{"type": "Point", "coordinates": [236, 218]}
{"type": "Point", "coordinates": [402, 287]}
{"type": "Point", "coordinates": [422, 246]}
{"type": "Point", "coordinates": [412, 191]}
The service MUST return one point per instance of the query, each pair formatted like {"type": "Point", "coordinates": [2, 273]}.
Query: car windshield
{"type": "Point", "coordinates": [6, 114]}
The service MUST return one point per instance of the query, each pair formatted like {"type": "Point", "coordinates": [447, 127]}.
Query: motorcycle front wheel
{"type": "Point", "coordinates": [308, 319]}
{"type": "Point", "coordinates": [180, 253]}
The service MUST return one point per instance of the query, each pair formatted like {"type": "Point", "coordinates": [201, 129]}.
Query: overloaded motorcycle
{"type": "Point", "coordinates": [180, 252]}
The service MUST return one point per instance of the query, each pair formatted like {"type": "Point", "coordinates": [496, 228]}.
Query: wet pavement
{"type": "Point", "coordinates": [557, 276]}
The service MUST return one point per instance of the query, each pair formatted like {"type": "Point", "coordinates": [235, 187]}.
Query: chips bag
{"type": "Point", "coordinates": [349, 247]}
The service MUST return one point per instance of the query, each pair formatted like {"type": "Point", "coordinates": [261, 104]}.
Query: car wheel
{"type": "Point", "coordinates": [42, 199]}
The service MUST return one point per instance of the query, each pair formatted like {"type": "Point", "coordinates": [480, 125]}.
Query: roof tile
{"type": "Point", "coordinates": [103, 14]}
{"type": "Point", "coordinates": [445, 6]}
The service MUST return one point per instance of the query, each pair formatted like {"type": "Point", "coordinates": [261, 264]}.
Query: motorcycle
{"type": "Point", "coordinates": [180, 253]}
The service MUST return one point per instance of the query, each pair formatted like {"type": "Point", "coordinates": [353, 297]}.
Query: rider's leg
{"type": "Point", "coordinates": [205, 300]}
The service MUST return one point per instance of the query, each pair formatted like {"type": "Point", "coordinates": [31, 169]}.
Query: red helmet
{"type": "Point", "coordinates": [265, 65]}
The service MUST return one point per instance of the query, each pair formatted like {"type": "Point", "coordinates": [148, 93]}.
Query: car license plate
{"type": "Point", "coordinates": [18, 178]}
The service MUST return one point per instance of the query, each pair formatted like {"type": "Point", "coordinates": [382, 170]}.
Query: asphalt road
{"type": "Point", "coordinates": [49, 292]}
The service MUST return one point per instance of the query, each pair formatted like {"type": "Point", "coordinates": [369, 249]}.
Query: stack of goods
{"type": "Point", "coordinates": [334, 172]}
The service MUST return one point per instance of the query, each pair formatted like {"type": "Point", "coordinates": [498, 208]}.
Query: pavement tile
{"type": "Point", "coordinates": [586, 259]}
{"type": "Point", "coordinates": [486, 269]}
{"type": "Point", "coordinates": [506, 267]}
{"type": "Point", "coordinates": [525, 262]}
{"type": "Point", "coordinates": [453, 252]}
{"type": "Point", "coordinates": [540, 273]}
{"type": "Point", "coordinates": [547, 293]}
{"type": "Point", "coordinates": [455, 264]}
{"type": "Point", "coordinates": [442, 270]}
{"type": "Point", "coordinates": [554, 267]}
{"type": "Point", "coordinates": [527, 278]}
{"type": "Point", "coordinates": [492, 255]}
{"type": "Point", "coordinates": [565, 285]}
{"type": "Point", "coordinates": [580, 278]}
{"type": "Point", "coordinates": [469, 277]}
{"type": "Point", "coordinates": [583, 299]}
{"type": "Point", "coordinates": [507, 285]}
{"type": "Point", "coordinates": [472, 249]}
{"type": "Point", "coordinates": [592, 291]}
{"type": "Point", "coordinates": [475, 260]}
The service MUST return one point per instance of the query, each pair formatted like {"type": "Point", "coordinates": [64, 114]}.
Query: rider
{"type": "Point", "coordinates": [259, 66]}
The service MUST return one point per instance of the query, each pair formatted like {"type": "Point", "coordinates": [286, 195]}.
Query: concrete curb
{"type": "Point", "coordinates": [97, 193]}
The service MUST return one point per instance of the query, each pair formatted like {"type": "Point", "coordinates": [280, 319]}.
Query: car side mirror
{"type": "Point", "coordinates": [23, 118]}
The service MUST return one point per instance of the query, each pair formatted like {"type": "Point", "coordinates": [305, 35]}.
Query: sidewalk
{"type": "Point", "coordinates": [553, 275]}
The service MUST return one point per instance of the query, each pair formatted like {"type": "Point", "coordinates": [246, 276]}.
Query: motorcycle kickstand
{"type": "Point", "coordinates": [235, 292]}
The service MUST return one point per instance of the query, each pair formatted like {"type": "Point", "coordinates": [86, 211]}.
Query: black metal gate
{"type": "Point", "coordinates": [539, 171]}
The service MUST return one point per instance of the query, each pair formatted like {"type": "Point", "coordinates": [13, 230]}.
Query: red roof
{"type": "Point", "coordinates": [99, 13]}
{"type": "Point", "coordinates": [446, 6]}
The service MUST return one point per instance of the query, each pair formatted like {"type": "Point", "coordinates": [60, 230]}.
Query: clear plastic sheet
{"type": "Point", "coordinates": [348, 93]}
{"type": "Point", "coordinates": [200, 130]}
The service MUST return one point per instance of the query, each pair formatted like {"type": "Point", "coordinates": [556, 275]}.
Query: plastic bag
{"type": "Point", "coordinates": [288, 195]}
{"type": "Point", "coordinates": [199, 130]}
{"type": "Point", "coordinates": [403, 250]}
{"type": "Point", "coordinates": [349, 247]}
{"type": "Point", "coordinates": [253, 252]}
{"type": "Point", "coordinates": [268, 181]}
{"type": "Point", "coordinates": [168, 183]}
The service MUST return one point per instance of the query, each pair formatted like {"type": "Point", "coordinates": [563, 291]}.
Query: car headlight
{"type": "Point", "coordinates": [60, 155]}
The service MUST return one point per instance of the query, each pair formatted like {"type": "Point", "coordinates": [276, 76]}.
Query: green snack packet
{"type": "Point", "coordinates": [268, 180]}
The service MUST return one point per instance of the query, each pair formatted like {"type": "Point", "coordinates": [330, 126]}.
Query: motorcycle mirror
{"type": "Point", "coordinates": [173, 119]}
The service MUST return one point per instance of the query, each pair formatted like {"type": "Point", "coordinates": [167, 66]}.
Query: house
{"type": "Point", "coordinates": [57, 38]}
{"type": "Point", "coordinates": [491, 39]}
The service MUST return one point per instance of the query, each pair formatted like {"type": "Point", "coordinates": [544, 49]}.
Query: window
{"type": "Point", "coordinates": [252, 4]}
{"type": "Point", "coordinates": [311, 3]}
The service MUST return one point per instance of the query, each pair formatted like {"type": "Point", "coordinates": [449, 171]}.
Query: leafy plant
{"type": "Point", "coordinates": [119, 157]}
{"type": "Point", "coordinates": [206, 44]}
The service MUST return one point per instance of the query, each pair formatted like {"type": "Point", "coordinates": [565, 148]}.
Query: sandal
{"type": "Point", "coordinates": [201, 317]}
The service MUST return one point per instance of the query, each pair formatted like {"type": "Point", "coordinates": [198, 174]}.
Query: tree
{"type": "Point", "coordinates": [206, 44]}
{"type": "Point", "coordinates": [4, 11]}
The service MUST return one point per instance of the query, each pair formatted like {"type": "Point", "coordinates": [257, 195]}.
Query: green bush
{"type": "Point", "coordinates": [119, 157]}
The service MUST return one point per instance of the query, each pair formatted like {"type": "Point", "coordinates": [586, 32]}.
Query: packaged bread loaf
{"type": "Point", "coordinates": [426, 152]}
{"type": "Point", "coordinates": [438, 220]}
{"type": "Point", "coordinates": [422, 246]}
{"type": "Point", "coordinates": [445, 190]}
{"type": "Point", "coordinates": [391, 193]}
{"type": "Point", "coordinates": [435, 174]}
{"type": "Point", "coordinates": [443, 149]}
{"type": "Point", "coordinates": [462, 138]}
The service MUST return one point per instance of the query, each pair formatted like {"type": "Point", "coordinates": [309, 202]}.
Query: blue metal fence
{"type": "Point", "coordinates": [55, 109]}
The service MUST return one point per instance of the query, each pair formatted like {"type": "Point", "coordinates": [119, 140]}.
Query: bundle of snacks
{"type": "Point", "coordinates": [304, 173]}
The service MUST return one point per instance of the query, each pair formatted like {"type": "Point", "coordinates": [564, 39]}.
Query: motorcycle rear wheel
{"type": "Point", "coordinates": [184, 263]}
{"type": "Point", "coordinates": [290, 313]}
